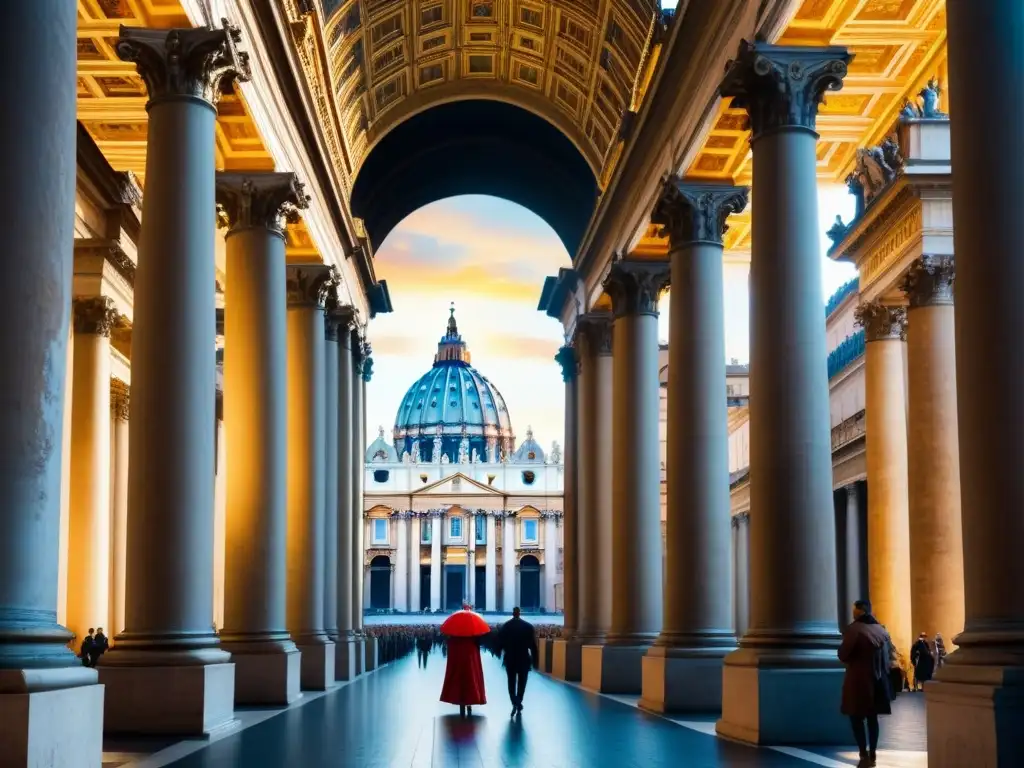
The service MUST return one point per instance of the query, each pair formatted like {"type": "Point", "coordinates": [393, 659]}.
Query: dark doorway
{"type": "Point", "coordinates": [380, 583]}
{"type": "Point", "coordinates": [424, 587]}
{"type": "Point", "coordinates": [455, 584]}
{"type": "Point", "coordinates": [529, 583]}
{"type": "Point", "coordinates": [481, 589]}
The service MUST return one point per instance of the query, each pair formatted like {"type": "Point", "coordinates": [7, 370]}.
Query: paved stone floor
{"type": "Point", "coordinates": [392, 719]}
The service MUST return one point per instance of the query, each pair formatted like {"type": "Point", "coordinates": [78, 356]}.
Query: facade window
{"type": "Point", "coordinates": [380, 531]}
{"type": "Point", "coordinates": [529, 531]}
{"type": "Point", "coordinates": [425, 531]}
{"type": "Point", "coordinates": [455, 528]}
{"type": "Point", "coordinates": [481, 529]}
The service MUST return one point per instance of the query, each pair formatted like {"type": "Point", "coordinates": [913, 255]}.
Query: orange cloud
{"type": "Point", "coordinates": [439, 278]}
{"type": "Point", "coordinates": [508, 345]}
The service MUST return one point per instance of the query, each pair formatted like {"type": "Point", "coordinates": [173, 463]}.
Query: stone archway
{"type": "Point", "coordinates": [529, 583]}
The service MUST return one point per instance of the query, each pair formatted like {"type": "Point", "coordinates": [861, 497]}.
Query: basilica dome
{"type": "Point", "coordinates": [453, 409]}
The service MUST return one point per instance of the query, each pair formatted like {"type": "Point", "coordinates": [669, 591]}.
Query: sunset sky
{"type": "Point", "coordinates": [490, 257]}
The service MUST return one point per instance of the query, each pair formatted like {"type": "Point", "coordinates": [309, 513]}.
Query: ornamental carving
{"type": "Point", "coordinates": [120, 400]}
{"type": "Point", "coordinates": [263, 200]}
{"type": "Point", "coordinates": [566, 358]}
{"type": "Point", "coordinates": [929, 282]}
{"type": "Point", "coordinates": [112, 252]}
{"type": "Point", "coordinates": [696, 213]}
{"type": "Point", "coordinates": [94, 315]}
{"type": "Point", "coordinates": [340, 321]}
{"type": "Point", "coordinates": [367, 369]}
{"type": "Point", "coordinates": [636, 286]}
{"type": "Point", "coordinates": [780, 86]}
{"type": "Point", "coordinates": [372, 553]}
{"type": "Point", "coordinates": [128, 190]}
{"type": "Point", "coordinates": [177, 63]}
{"type": "Point", "coordinates": [598, 331]}
{"type": "Point", "coordinates": [309, 284]}
{"type": "Point", "coordinates": [741, 519]}
{"type": "Point", "coordinates": [881, 322]}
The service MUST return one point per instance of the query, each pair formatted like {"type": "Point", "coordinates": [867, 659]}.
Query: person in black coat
{"type": "Point", "coordinates": [518, 643]}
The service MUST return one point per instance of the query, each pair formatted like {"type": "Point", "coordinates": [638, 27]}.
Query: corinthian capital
{"type": "Point", "coordinates": [929, 281]}
{"type": "Point", "coordinates": [191, 63]}
{"type": "Point", "coordinates": [264, 200]}
{"type": "Point", "coordinates": [636, 286]}
{"type": "Point", "coordinates": [309, 285]}
{"type": "Point", "coordinates": [696, 213]}
{"type": "Point", "coordinates": [597, 329]}
{"type": "Point", "coordinates": [882, 322]}
{"type": "Point", "coordinates": [566, 357]}
{"type": "Point", "coordinates": [120, 398]}
{"type": "Point", "coordinates": [781, 86]}
{"type": "Point", "coordinates": [94, 315]}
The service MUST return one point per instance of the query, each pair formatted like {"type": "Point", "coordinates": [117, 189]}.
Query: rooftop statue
{"type": "Point", "coordinates": [930, 101]}
{"type": "Point", "coordinates": [856, 188]}
{"type": "Point", "coordinates": [556, 453]}
{"type": "Point", "coordinates": [877, 167]}
{"type": "Point", "coordinates": [837, 232]}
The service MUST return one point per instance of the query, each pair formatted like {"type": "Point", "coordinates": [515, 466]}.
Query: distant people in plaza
{"type": "Point", "coordinates": [88, 643]}
{"type": "Point", "coordinates": [518, 642]}
{"type": "Point", "coordinates": [940, 652]}
{"type": "Point", "coordinates": [865, 651]}
{"type": "Point", "coordinates": [923, 661]}
{"type": "Point", "coordinates": [100, 645]}
{"type": "Point", "coordinates": [423, 645]}
{"type": "Point", "coordinates": [464, 673]}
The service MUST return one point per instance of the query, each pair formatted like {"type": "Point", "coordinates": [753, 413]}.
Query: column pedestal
{"type": "Point", "coordinates": [371, 652]}
{"type": "Point", "coordinates": [567, 659]}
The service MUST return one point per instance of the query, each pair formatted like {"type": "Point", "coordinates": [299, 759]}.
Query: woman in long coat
{"type": "Point", "coordinates": [464, 674]}
{"type": "Point", "coordinates": [866, 692]}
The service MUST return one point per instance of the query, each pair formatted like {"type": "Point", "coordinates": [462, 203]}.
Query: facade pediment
{"type": "Point", "coordinates": [457, 484]}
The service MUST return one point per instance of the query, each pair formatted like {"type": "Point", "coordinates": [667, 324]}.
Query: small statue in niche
{"type": "Point", "coordinates": [837, 232]}
{"type": "Point", "coordinates": [930, 95]}
{"type": "Point", "coordinates": [464, 451]}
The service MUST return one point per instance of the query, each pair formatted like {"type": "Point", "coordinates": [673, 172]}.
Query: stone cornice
{"type": "Point", "coordinates": [691, 212]}
{"type": "Point", "coordinates": [261, 200]}
{"type": "Point", "coordinates": [111, 252]}
{"type": "Point", "coordinates": [929, 281]}
{"type": "Point", "coordinates": [636, 286]}
{"type": "Point", "coordinates": [882, 322]}
{"type": "Point", "coordinates": [113, 189]}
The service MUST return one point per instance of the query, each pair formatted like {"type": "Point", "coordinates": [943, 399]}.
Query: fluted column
{"type": "Point", "coordinates": [793, 630]}
{"type": "Point", "coordinates": [119, 405]}
{"type": "Point", "coordinates": [401, 523]}
{"type": "Point", "coordinates": [169, 600]}
{"type": "Point", "coordinates": [886, 449]}
{"type": "Point", "coordinates": [360, 352]}
{"type": "Point", "coordinates": [267, 663]}
{"type": "Point", "coordinates": [975, 710]}
{"type": "Point", "coordinates": [42, 685]}
{"type": "Point", "coordinates": [684, 669]}
{"type": "Point", "coordinates": [491, 566]}
{"type": "Point", "coordinates": [308, 287]}
{"type": "Point", "coordinates": [435, 561]}
{"type": "Point", "coordinates": [741, 529]}
{"type": "Point", "coordinates": [345, 648]}
{"type": "Point", "coordinates": [89, 519]}
{"type": "Point", "coordinates": [936, 546]}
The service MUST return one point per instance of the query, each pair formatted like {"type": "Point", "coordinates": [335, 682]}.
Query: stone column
{"type": "Point", "coordinates": [415, 536]}
{"type": "Point", "coordinates": [634, 288]}
{"type": "Point", "coordinates": [43, 687]}
{"type": "Point", "coordinates": [119, 404]}
{"type": "Point", "coordinates": [741, 527]}
{"type": "Point", "coordinates": [267, 663]}
{"type": "Point", "coordinates": [566, 662]}
{"type": "Point", "coordinates": [491, 566]}
{"type": "Point", "coordinates": [308, 286]}
{"type": "Point", "coordinates": [976, 707]}
{"type": "Point", "coordinates": [89, 520]}
{"type": "Point", "coordinates": [360, 352]}
{"type": "Point", "coordinates": [345, 648]}
{"type": "Point", "coordinates": [509, 564]}
{"type": "Point", "coordinates": [401, 523]}
{"type": "Point", "coordinates": [220, 514]}
{"type": "Point", "coordinates": [886, 449]}
{"type": "Point", "coordinates": [471, 559]}
{"type": "Point", "coordinates": [169, 642]}
{"type": "Point", "coordinates": [332, 324]}
{"type": "Point", "coordinates": [793, 632]}
{"type": "Point", "coordinates": [936, 546]}
{"type": "Point", "coordinates": [854, 573]}
{"type": "Point", "coordinates": [683, 671]}
{"type": "Point", "coordinates": [435, 561]}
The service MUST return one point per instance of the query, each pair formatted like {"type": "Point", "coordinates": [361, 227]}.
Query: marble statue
{"type": "Point", "coordinates": [556, 453]}
{"type": "Point", "coordinates": [436, 455]}
{"type": "Point", "coordinates": [464, 451]}
{"type": "Point", "coordinates": [873, 167]}
{"type": "Point", "coordinates": [444, 458]}
{"type": "Point", "coordinates": [415, 452]}
{"type": "Point", "coordinates": [909, 110]}
{"type": "Point", "coordinates": [837, 232]}
{"type": "Point", "coordinates": [930, 95]}
{"type": "Point", "coordinates": [891, 152]}
{"type": "Point", "coordinates": [855, 185]}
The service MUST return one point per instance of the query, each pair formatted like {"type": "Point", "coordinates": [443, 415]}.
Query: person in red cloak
{"type": "Point", "coordinates": [464, 674]}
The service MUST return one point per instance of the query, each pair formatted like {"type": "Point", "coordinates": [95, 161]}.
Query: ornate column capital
{"type": "Point", "coordinates": [566, 358]}
{"type": "Point", "coordinates": [368, 367]}
{"type": "Point", "coordinates": [184, 63]}
{"type": "Point", "coordinates": [120, 398]}
{"type": "Point", "coordinates": [340, 321]}
{"type": "Point", "coordinates": [636, 286]}
{"type": "Point", "coordinates": [782, 86]}
{"type": "Point", "coordinates": [882, 322]}
{"type": "Point", "coordinates": [597, 329]}
{"type": "Point", "coordinates": [691, 212]}
{"type": "Point", "coordinates": [929, 281]}
{"type": "Point", "coordinates": [94, 315]}
{"type": "Point", "coordinates": [309, 285]}
{"type": "Point", "coordinates": [262, 200]}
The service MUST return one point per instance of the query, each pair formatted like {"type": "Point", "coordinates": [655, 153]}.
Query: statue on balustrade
{"type": "Point", "coordinates": [837, 232]}
{"type": "Point", "coordinates": [436, 455]}
{"type": "Point", "coordinates": [928, 108]}
{"type": "Point", "coordinates": [877, 167]}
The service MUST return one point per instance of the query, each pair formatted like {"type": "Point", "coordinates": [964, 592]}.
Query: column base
{"type": "Point", "coordinates": [974, 717]}
{"type": "Point", "coordinates": [169, 700]}
{"type": "Point", "coordinates": [317, 666]}
{"type": "Point", "coordinates": [360, 643]}
{"type": "Point", "coordinates": [544, 655]}
{"type": "Point", "coordinates": [269, 677]}
{"type": "Point", "coordinates": [786, 700]}
{"type": "Point", "coordinates": [567, 660]}
{"type": "Point", "coordinates": [61, 728]}
{"type": "Point", "coordinates": [613, 668]}
{"type": "Point", "coordinates": [371, 661]}
{"type": "Point", "coordinates": [345, 659]}
{"type": "Point", "coordinates": [682, 680]}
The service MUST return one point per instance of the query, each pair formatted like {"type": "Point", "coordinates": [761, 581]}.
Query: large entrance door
{"type": "Point", "coordinates": [380, 583]}
{"type": "Point", "coordinates": [454, 586]}
{"type": "Point", "coordinates": [529, 583]}
{"type": "Point", "coordinates": [424, 588]}
{"type": "Point", "coordinates": [481, 589]}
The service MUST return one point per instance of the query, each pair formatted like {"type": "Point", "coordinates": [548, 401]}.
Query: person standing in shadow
{"type": "Point", "coordinates": [866, 692]}
{"type": "Point", "coordinates": [518, 643]}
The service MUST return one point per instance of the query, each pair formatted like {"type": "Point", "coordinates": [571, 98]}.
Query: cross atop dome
{"type": "Point", "coordinates": [453, 329]}
{"type": "Point", "coordinates": [451, 348]}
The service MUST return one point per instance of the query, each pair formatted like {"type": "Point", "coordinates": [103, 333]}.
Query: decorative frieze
{"type": "Point", "coordinates": [185, 63]}
{"type": "Point", "coordinates": [94, 315]}
{"type": "Point", "coordinates": [696, 213]}
{"type": "Point", "coordinates": [308, 285]}
{"type": "Point", "coordinates": [781, 86]}
{"type": "Point", "coordinates": [929, 281]}
{"type": "Point", "coordinates": [120, 400]}
{"type": "Point", "coordinates": [636, 286]}
{"type": "Point", "coordinates": [882, 322]}
{"type": "Point", "coordinates": [262, 200]}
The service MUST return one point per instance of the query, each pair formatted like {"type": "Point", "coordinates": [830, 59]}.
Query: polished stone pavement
{"type": "Point", "coordinates": [392, 718]}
